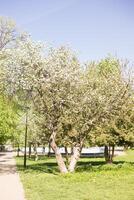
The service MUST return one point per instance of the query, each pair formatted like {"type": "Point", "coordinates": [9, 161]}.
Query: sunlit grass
{"type": "Point", "coordinates": [93, 179]}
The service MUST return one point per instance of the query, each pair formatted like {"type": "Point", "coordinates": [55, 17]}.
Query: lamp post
{"type": "Point", "coordinates": [25, 148]}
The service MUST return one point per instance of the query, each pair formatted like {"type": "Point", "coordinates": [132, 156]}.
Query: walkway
{"type": "Point", "coordinates": [10, 185]}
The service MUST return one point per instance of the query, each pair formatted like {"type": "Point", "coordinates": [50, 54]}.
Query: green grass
{"type": "Point", "coordinates": [93, 179]}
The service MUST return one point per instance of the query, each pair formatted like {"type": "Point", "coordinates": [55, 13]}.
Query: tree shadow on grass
{"type": "Point", "coordinates": [102, 166]}
{"type": "Point", "coordinates": [36, 167]}
{"type": "Point", "coordinates": [2, 154]}
{"type": "Point", "coordinates": [82, 166]}
{"type": "Point", "coordinates": [7, 169]}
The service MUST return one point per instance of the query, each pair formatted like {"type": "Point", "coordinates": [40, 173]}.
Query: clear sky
{"type": "Point", "coordinates": [93, 28]}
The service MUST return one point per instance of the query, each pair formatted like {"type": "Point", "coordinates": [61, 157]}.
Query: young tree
{"type": "Point", "coordinates": [118, 98]}
{"type": "Point", "coordinates": [59, 79]}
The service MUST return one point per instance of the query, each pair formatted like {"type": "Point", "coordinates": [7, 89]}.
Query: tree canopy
{"type": "Point", "coordinates": [70, 104]}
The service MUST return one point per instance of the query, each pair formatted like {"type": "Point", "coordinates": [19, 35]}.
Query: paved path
{"type": "Point", "coordinates": [10, 185]}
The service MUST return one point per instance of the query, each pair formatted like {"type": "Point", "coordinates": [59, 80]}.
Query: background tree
{"type": "Point", "coordinates": [118, 98]}
{"type": "Point", "coordinates": [8, 120]}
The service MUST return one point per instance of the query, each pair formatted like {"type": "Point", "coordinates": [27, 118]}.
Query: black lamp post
{"type": "Point", "coordinates": [26, 127]}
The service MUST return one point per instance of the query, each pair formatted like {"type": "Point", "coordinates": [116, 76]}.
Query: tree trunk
{"type": "Point", "coordinates": [74, 157]}
{"type": "Point", "coordinates": [59, 158]}
{"type": "Point", "coordinates": [71, 149]}
{"type": "Point", "coordinates": [112, 154]}
{"type": "Point", "coordinates": [109, 154]}
{"type": "Point", "coordinates": [66, 155]}
{"type": "Point", "coordinates": [35, 152]}
{"type": "Point", "coordinates": [126, 147]}
{"type": "Point", "coordinates": [43, 151]}
{"type": "Point", "coordinates": [18, 151]}
{"type": "Point", "coordinates": [29, 149]}
{"type": "Point", "coordinates": [106, 154]}
{"type": "Point", "coordinates": [49, 149]}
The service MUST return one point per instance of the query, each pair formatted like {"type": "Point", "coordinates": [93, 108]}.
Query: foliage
{"type": "Point", "coordinates": [8, 120]}
{"type": "Point", "coordinates": [118, 105]}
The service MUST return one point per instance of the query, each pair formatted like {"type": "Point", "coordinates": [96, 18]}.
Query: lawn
{"type": "Point", "coordinates": [93, 179]}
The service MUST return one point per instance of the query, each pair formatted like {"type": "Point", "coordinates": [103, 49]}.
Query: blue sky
{"type": "Point", "coordinates": [93, 28]}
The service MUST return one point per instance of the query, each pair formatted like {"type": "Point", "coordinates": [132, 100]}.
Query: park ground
{"type": "Point", "coordinates": [93, 179]}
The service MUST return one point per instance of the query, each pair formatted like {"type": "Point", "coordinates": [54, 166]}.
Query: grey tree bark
{"type": "Point", "coordinates": [35, 152]}
{"type": "Point", "coordinates": [59, 158]}
{"type": "Point", "coordinates": [109, 153]}
{"type": "Point", "coordinates": [74, 157]}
